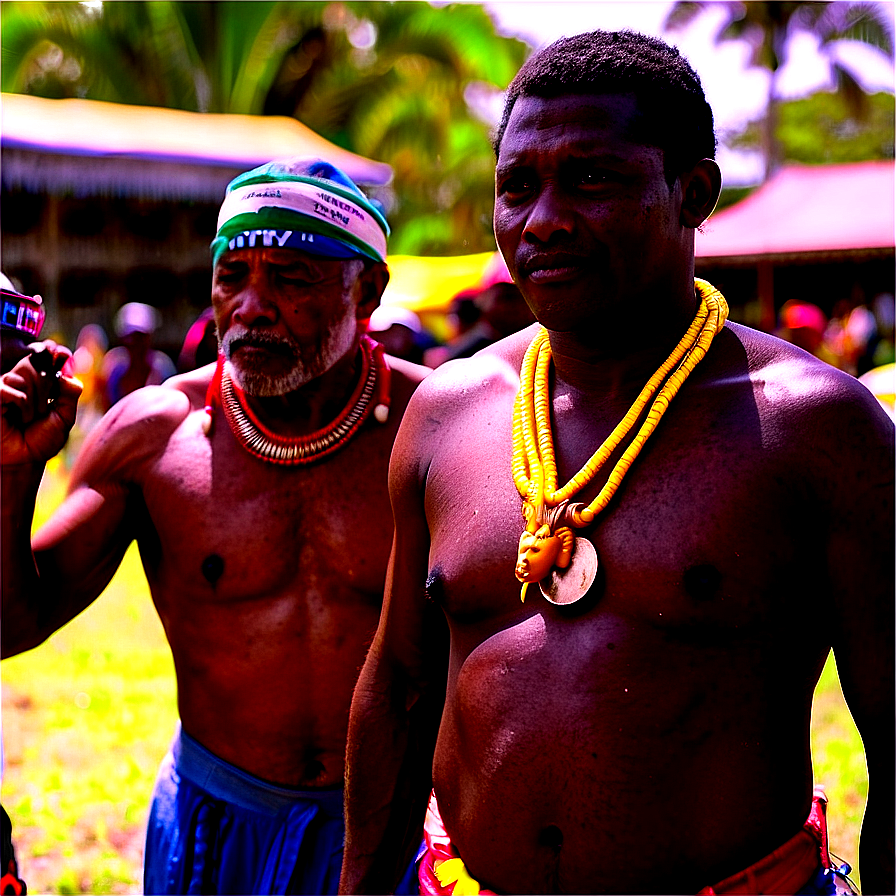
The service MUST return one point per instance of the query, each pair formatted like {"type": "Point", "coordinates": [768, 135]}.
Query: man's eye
{"type": "Point", "coordinates": [230, 275]}
{"type": "Point", "coordinates": [591, 179]}
{"type": "Point", "coordinates": [517, 185]}
{"type": "Point", "coordinates": [299, 276]}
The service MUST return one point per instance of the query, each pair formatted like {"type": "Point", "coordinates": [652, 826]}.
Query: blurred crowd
{"type": "Point", "coordinates": [857, 337]}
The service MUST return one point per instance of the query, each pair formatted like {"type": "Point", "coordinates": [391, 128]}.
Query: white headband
{"type": "Point", "coordinates": [311, 201]}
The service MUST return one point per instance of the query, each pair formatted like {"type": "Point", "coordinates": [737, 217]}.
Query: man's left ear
{"type": "Point", "coordinates": [700, 188]}
{"type": "Point", "coordinates": [372, 284]}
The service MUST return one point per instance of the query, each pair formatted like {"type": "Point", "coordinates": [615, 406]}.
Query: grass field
{"type": "Point", "coordinates": [88, 716]}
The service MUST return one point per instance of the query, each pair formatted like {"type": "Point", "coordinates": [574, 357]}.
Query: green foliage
{"type": "Point", "coordinates": [838, 764]}
{"type": "Point", "coordinates": [87, 717]}
{"type": "Point", "coordinates": [203, 57]}
{"type": "Point", "coordinates": [386, 80]}
{"type": "Point", "coordinates": [821, 129]}
{"type": "Point", "coordinates": [767, 27]}
{"type": "Point", "coordinates": [730, 195]}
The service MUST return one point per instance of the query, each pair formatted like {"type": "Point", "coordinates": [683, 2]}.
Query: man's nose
{"type": "Point", "coordinates": [550, 217]}
{"type": "Point", "coordinates": [254, 308]}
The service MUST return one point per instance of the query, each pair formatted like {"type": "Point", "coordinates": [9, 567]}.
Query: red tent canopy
{"type": "Point", "coordinates": [807, 209]}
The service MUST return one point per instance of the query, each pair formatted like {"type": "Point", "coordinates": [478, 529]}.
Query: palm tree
{"type": "Point", "coordinates": [403, 99]}
{"type": "Point", "coordinates": [767, 28]}
{"type": "Point", "coordinates": [203, 57]}
{"type": "Point", "coordinates": [386, 80]}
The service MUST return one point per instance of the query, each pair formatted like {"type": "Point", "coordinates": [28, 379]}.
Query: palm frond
{"type": "Point", "coordinates": [684, 13]}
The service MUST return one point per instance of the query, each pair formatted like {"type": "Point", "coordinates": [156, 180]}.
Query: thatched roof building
{"type": "Point", "coordinates": [105, 203]}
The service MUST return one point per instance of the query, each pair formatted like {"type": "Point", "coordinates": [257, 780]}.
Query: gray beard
{"type": "Point", "coordinates": [334, 344]}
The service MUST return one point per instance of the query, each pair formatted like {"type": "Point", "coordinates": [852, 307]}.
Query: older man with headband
{"type": "Point", "coordinates": [256, 490]}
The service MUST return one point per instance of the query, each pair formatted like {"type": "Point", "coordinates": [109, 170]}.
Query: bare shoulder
{"type": "Point", "coordinates": [811, 405]}
{"type": "Point", "coordinates": [792, 376]}
{"type": "Point", "coordinates": [464, 382]}
{"type": "Point", "coordinates": [405, 377]}
{"type": "Point", "coordinates": [161, 406]}
{"type": "Point", "coordinates": [138, 427]}
{"type": "Point", "coordinates": [193, 384]}
{"type": "Point", "coordinates": [456, 398]}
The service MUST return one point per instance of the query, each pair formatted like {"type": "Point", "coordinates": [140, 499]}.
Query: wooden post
{"type": "Point", "coordinates": [765, 285]}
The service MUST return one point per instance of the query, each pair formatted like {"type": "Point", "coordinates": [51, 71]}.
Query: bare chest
{"type": "Point", "coordinates": [219, 519]}
{"type": "Point", "coordinates": [705, 530]}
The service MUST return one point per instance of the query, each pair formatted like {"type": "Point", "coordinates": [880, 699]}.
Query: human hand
{"type": "Point", "coordinates": [38, 404]}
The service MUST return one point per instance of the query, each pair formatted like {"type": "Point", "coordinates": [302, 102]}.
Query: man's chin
{"type": "Point", "coordinates": [261, 384]}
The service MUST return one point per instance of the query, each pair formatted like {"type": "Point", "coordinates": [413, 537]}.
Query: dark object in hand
{"type": "Point", "coordinates": [43, 362]}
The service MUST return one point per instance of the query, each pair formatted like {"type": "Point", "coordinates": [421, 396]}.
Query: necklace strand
{"type": "Point", "coordinates": [533, 464]}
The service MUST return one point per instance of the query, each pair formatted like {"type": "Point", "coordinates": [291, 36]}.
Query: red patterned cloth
{"type": "Point", "coordinates": [784, 871]}
{"type": "Point", "coordinates": [789, 867]}
{"type": "Point", "coordinates": [441, 869]}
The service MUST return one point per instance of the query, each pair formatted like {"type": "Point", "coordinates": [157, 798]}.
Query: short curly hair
{"type": "Point", "coordinates": [674, 113]}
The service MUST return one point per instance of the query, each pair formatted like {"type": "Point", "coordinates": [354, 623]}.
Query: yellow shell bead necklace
{"type": "Point", "coordinates": [565, 566]}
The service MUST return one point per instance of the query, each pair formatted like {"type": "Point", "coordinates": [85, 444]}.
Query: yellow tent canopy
{"type": "Point", "coordinates": [426, 285]}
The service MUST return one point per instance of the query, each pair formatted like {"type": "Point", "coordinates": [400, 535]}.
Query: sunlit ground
{"type": "Point", "coordinates": [88, 716]}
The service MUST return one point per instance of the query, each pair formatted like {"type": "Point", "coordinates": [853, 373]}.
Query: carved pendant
{"type": "Point", "coordinates": [549, 553]}
{"type": "Point", "coordinates": [566, 586]}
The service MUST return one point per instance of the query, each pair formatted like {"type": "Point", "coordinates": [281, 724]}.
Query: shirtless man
{"type": "Point", "coordinates": [647, 732]}
{"type": "Point", "coordinates": [265, 549]}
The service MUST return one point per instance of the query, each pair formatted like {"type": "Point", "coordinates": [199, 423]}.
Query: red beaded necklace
{"type": "Point", "coordinates": [370, 393]}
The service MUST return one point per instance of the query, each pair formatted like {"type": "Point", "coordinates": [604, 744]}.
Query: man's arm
{"type": "Point", "coordinates": [48, 580]}
{"type": "Point", "coordinates": [399, 697]}
{"type": "Point", "coordinates": [34, 427]}
{"type": "Point", "coordinates": [860, 553]}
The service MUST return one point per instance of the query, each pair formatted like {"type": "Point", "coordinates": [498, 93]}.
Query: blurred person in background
{"type": "Point", "coordinates": [461, 317]}
{"type": "Point", "coordinates": [463, 312]}
{"type": "Point", "coordinates": [880, 379]}
{"type": "Point", "coordinates": [852, 333]}
{"type": "Point", "coordinates": [400, 331]}
{"type": "Point", "coordinates": [135, 363]}
{"type": "Point", "coordinates": [804, 325]}
{"type": "Point", "coordinates": [256, 489]}
{"type": "Point", "coordinates": [200, 344]}
{"type": "Point", "coordinates": [882, 349]}
{"type": "Point", "coordinates": [502, 311]}
{"type": "Point", "coordinates": [860, 332]}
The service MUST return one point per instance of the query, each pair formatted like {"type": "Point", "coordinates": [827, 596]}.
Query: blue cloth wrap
{"type": "Point", "coordinates": [213, 828]}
